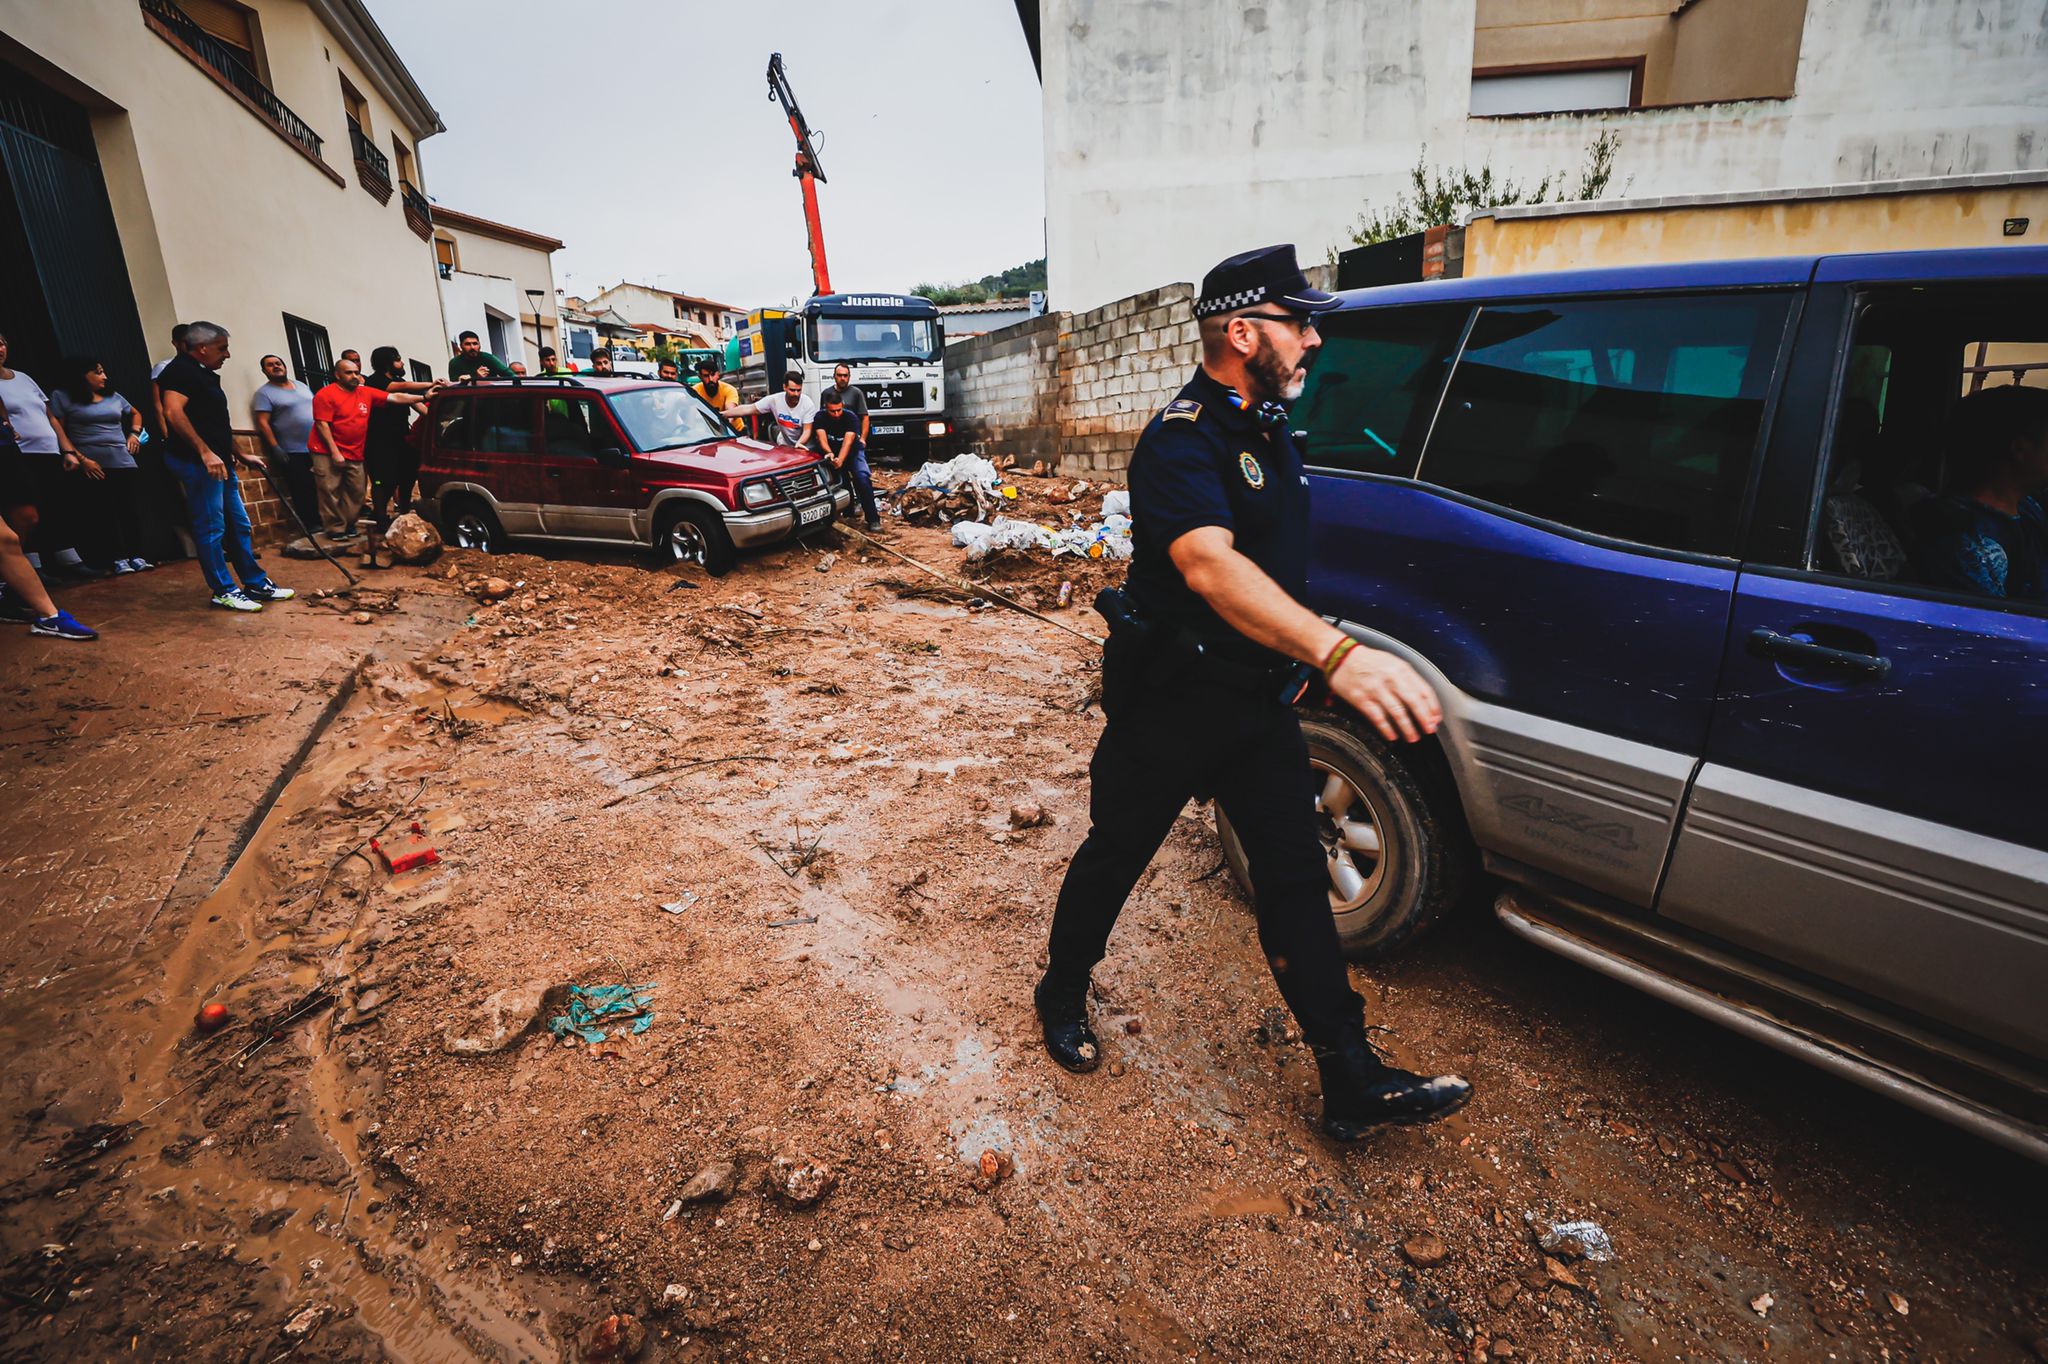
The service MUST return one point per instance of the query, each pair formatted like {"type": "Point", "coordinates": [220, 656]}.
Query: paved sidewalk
{"type": "Point", "coordinates": [134, 766]}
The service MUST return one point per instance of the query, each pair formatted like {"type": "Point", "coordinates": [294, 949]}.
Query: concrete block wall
{"type": "Point", "coordinates": [1002, 390]}
{"type": "Point", "coordinates": [1118, 365]}
{"type": "Point", "coordinates": [1074, 389]}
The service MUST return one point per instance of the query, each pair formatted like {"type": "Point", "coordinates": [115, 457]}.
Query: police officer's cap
{"type": "Point", "coordinates": [1267, 275]}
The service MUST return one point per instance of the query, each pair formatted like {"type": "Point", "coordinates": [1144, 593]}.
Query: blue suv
{"type": "Point", "coordinates": [1676, 546]}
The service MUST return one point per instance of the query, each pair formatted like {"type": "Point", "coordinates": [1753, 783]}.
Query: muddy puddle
{"type": "Point", "coordinates": [289, 951]}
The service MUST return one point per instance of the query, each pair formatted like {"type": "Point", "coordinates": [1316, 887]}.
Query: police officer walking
{"type": "Point", "coordinates": [1209, 644]}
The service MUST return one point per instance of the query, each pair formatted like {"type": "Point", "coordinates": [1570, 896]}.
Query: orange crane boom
{"type": "Point", "coordinates": [807, 171]}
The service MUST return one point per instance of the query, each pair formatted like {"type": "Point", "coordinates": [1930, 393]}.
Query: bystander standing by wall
{"type": "Point", "coordinates": [107, 431]}
{"type": "Point", "coordinates": [283, 408]}
{"type": "Point", "coordinates": [202, 456]}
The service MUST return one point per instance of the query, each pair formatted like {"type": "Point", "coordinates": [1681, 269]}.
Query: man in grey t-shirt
{"type": "Point", "coordinates": [283, 408]}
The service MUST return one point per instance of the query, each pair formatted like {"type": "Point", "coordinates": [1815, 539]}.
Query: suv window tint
{"type": "Point", "coordinates": [453, 429]}
{"type": "Point", "coordinates": [576, 427]}
{"type": "Point", "coordinates": [1373, 387]}
{"type": "Point", "coordinates": [1635, 418]}
{"type": "Point", "coordinates": [504, 424]}
{"type": "Point", "coordinates": [1921, 456]}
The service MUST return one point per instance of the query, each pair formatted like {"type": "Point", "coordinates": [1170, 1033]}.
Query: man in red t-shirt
{"type": "Point", "coordinates": [341, 427]}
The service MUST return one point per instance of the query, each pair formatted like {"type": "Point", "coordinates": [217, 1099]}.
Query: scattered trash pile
{"type": "Point", "coordinates": [965, 489]}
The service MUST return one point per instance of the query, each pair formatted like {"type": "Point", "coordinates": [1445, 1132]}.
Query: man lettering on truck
{"type": "Point", "coordinates": [792, 411]}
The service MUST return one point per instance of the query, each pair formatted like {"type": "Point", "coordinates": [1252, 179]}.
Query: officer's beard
{"type": "Point", "coordinates": [1273, 377]}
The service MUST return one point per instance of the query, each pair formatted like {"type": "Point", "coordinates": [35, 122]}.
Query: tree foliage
{"type": "Point", "coordinates": [1016, 282]}
{"type": "Point", "coordinates": [1440, 198]}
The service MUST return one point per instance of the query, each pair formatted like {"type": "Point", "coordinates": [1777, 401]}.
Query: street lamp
{"type": "Point", "coordinates": [533, 298]}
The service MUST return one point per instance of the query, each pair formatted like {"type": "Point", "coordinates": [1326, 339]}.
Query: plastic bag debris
{"type": "Point", "coordinates": [959, 472]}
{"type": "Point", "coordinates": [591, 1007]}
{"type": "Point", "coordinates": [1584, 1240]}
{"type": "Point", "coordinates": [1116, 503]}
{"type": "Point", "coordinates": [1005, 532]}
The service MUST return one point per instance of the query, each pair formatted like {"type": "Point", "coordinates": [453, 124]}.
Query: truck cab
{"type": "Point", "coordinates": [893, 343]}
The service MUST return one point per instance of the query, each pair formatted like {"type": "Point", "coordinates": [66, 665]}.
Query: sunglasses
{"type": "Point", "coordinates": [1301, 322]}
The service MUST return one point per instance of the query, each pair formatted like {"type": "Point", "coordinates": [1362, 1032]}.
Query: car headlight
{"type": "Point", "coordinates": [935, 428]}
{"type": "Point", "coordinates": [756, 494]}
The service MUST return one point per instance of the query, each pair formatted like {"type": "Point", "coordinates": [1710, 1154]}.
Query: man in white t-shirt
{"type": "Point", "coordinates": [792, 411]}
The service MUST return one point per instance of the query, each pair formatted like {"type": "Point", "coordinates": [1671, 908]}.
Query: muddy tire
{"type": "Point", "coordinates": [1398, 853]}
{"type": "Point", "coordinates": [467, 522]}
{"type": "Point", "coordinates": [689, 533]}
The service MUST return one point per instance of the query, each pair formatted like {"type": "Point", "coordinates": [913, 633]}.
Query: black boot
{"type": "Point", "coordinates": [1361, 1092]}
{"type": "Point", "coordinates": [1063, 1012]}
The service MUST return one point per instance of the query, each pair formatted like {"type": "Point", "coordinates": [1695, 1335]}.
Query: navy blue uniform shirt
{"type": "Point", "coordinates": [1203, 461]}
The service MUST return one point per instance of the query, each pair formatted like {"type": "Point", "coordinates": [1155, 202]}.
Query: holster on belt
{"type": "Point", "coordinates": [1154, 650]}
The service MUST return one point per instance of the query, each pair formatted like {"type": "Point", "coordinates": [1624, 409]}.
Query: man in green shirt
{"type": "Point", "coordinates": [472, 361]}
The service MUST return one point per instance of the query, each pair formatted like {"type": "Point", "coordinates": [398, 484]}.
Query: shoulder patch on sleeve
{"type": "Point", "coordinates": [1182, 409]}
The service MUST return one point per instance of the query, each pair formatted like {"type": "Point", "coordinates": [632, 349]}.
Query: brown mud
{"type": "Point", "coordinates": [818, 772]}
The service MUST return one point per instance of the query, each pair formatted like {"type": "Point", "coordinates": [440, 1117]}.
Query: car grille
{"type": "Point", "coordinates": [799, 485]}
{"type": "Point", "coordinates": [893, 397]}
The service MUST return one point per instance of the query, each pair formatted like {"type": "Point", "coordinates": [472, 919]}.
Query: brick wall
{"type": "Point", "coordinates": [1002, 390]}
{"type": "Point", "coordinates": [1118, 366]}
{"type": "Point", "coordinates": [271, 523]}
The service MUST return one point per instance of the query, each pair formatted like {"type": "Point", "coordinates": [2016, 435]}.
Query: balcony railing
{"type": "Point", "coordinates": [366, 152]}
{"type": "Point", "coordinates": [419, 214]}
{"type": "Point", "coordinates": [227, 64]}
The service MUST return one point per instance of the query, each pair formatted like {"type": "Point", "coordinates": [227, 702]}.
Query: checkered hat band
{"type": "Point", "coordinates": [1230, 303]}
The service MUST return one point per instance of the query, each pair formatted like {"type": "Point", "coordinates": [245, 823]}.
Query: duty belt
{"type": "Point", "coordinates": [1288, 680]}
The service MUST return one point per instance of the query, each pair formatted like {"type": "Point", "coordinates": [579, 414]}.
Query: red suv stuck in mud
{"type": "Point", "coordinates": [611, 461]}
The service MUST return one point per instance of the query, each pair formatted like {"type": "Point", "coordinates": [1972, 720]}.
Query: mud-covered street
{"type": "Point", "coordinates": [816, 813]}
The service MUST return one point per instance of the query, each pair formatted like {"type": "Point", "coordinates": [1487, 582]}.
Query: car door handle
{"type": "Point", "coordinates": [1796, 649]}
{"type": "Point", "coordinates": [554, 473]}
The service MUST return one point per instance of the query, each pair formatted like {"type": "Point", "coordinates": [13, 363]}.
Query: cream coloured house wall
{"type": "Point", "coordinates": [219, 216]}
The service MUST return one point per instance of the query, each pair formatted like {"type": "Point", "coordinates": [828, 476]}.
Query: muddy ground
{"type": "Point", "coordinates": [823, 822]}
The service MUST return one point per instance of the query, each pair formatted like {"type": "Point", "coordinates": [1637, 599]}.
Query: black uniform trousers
{"type": "Point", "coordinates": [1189, 737]}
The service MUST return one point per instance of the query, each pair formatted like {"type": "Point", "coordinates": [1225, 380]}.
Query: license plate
{"type": "Point", "coordinates": [806, 515]}
{"type": "Point", "coordinates": [886, 430]}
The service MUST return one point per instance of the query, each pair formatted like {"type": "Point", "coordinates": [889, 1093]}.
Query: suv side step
{"type": "Point", "coordinates": [1576, 935]}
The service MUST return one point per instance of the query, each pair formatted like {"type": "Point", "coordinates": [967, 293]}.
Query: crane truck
{"type": "Point", "coordinates": [894, 344]}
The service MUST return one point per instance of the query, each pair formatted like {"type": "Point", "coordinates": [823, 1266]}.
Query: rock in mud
{"type": "Point", "coordinates": [305, 1321]}
{"type": "Point", "coordinates": [800, 1182]}
{"type": "Point", "coordinates": [712, 1184]}
{"type": "Point", "coordinates": [1027, 815]}
{"type": "Point", "coordinates": [1425, 1249]}
{"type": "Point", "coordinates": [491, 589]}
{"type": "Point", "coordinates": [619, 1336]}
{"type": "Point", "coordinates": [497, 1022]}
{"type": "Point", "coordinates": [412, 540]}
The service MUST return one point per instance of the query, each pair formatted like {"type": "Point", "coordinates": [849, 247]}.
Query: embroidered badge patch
{"type": "Point", "coordinates": [1249, 467]}
{"type": "Point", "coordinates": [1183, 409]}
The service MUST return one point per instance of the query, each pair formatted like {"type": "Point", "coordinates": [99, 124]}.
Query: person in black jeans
{"type": "Point", "coordinates": [837, 433]}
{"type": "Point", "coordinates": [394, 465]}
{"type": "Point", "coordinates": [1197, 679]}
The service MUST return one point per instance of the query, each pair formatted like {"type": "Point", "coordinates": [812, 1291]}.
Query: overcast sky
{"type": "Point", "coordinates": [642, 135]}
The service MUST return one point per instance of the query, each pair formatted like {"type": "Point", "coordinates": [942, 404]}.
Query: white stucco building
{"type": "Point", "coordinates": [499, 282]}
{"type": "Point", "coordinates": [1175, 138]}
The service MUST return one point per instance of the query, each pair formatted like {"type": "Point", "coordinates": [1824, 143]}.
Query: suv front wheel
{"type": "Point", "coordinates": [690, 533]}
{"type": "Point", "coordinates": [1394, 840]}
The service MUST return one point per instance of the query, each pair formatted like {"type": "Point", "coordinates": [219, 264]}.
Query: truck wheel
{"type": "Point", "coordinates": [1394, 838]}
{"type": "Point", "coordinates": [687, 533]}
{"type": "Point", "coordinates": [470, 524]}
